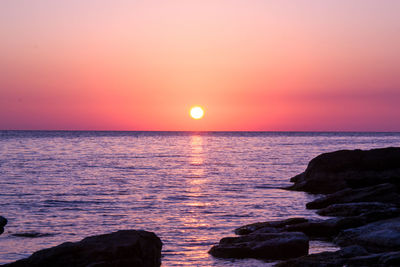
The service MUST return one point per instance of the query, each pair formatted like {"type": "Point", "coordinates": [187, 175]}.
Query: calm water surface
{"type": "Point", "coordinates": [191, 189]}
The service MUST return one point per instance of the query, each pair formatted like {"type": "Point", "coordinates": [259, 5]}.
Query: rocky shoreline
{"type": "Point", "coordinates": [362, 199]}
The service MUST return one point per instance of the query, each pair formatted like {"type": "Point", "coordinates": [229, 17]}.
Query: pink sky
{"type": "Point", "coordinates": [253, 65]}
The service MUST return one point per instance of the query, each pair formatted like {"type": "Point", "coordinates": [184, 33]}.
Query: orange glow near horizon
{"type": "Point", "coordinates": [275, 65]}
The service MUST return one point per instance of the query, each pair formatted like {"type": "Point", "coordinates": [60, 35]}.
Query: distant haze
{"type": "Point", "coordinates": [253, 65]}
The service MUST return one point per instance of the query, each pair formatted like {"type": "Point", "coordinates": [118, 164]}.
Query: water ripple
{"type": "Point", "coordinates": [189, 188]}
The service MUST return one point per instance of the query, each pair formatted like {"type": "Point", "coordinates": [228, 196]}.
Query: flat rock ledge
{"type": "Point", "coordinates": [362, 200]}
{"type": "Point", "coordinates": [273, 246]}
{"type": "Point", "coordinates": [379, 236]}
{"type": "Point", "coordinates": [121, 248]}
{"type": "Point", "coordinates": [352, 256]}
{"type": "Point", "coordinates": [319, 229]}
{"type": "Point", "coordinates": [356, 209]}
{"type": "Point", "coordinates": [337, 258]}
{"type": "Point", "coordinates": [384, 193]}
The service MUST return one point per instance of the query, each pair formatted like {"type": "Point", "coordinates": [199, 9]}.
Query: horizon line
{"type": "Point", "coordinates": [202, 131]}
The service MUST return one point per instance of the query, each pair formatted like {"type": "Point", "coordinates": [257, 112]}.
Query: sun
{"type": "Point", "coordinates": [196, 112]}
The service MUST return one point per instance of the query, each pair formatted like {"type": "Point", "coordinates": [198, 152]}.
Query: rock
{"type": "Point", "coordinates": [275, 226]}
{"type": "Point", "coordinates": [355, 209]}
{"type": "Point", "coordinates": [348, 256]}
{"type": "Point", "coordinates": [390, 259]}
{"type": "Point", "coordinates": [271, 246]}
{"type": "Point", "coordinates": [331, 227]}
{"type": "Point", "coordinates": [315, 228]}
{"type": "Point", "coordinates": [325, 228]}
{"type": "Point", "coordinates": [386, 193]}
{"type": "Point", "coordinates": [318, 228]}
{"type": "Point", "coordinates": [3, 222]}
{"type": "Point", "coordinates": [377, 236]}
{"type": "Point", "coordinates": [122, 248]}
{"type": "Point", "coordinates": [334, 171]}
{"type": "Point", "coordinates": [363, 188]}
{"type": "Point", "coordinates": [375, 259]}
{"type": "Point", "coordinates": [325, 259]}
{"type": "Point", "coordinates": [32, 234]}
{"type": "Point", "coordinates": [367, 260]}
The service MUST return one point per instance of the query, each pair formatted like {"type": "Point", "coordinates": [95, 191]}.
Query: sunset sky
{"type": "Point", "coordinates": [251, 64]}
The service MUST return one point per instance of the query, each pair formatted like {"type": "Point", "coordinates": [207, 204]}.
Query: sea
{"type": "Point", "coordinates": [190, 188]}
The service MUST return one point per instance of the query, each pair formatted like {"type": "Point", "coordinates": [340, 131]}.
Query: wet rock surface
{"type": "Point", "coordinates": [271, 246]}
{"type": "Point", "coordinates": [386, 193]}
{"type": "Point", "coordinates": [362, 196]}
{"type": "Point", "coordinates": [122, 248]}
{"type": "Point", "coordinates": [314, 228]}
{"type": "Point", "coordinates": [352, 256]}
{"type": "Point", "coordinates": [337, 258]}
{"type": "Point", "coordinates": [356, 209]}
{"type": "Point", "coordinates": [377, 236]}
{"type": "Point", "coordinates": [274, 226]}
{"type": "Point", "coordinates": [318, 228]}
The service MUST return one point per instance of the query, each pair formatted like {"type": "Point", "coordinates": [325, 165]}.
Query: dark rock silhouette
{"type": "Point", "coordinates": [274, 226]}
{"type": "Point", "coordinates": [266, 246]}
{"type": "Point", "coordinates": [352, 256]}
{"type": "Point", "coordinates": [377, 236]}
{"type": "Point", "coordinates": [363, 192]}
{"type": "Point", "coordinates": [32, 234]}
{"type": "Point", "coordinates": [386, 193]}
{"type": "Point", "coordinates": [366, 197]}
{"type": "Point", "coordinates": [3, 222]}
{"type": "Point", "coordinates": [334, 171]}
{"type": "Point", "coordinates": [318, 228]}
{"type": "Point", "coordinates": [356, 209]}
{"type": "Point", "coordinates": [122, 248]}
{"type": "Point", "coordinates": [331, 259]}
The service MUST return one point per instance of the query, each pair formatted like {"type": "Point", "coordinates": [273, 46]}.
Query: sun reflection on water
{"type": "Point", "coordinates": [197, 172]}
{"type": "Point", "coordinates": [196, 191]}
{"type": "Point", "coordinates": [196, 151]}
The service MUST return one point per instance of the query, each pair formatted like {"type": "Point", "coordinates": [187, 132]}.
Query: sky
{"type": "Point", "coordinates": [298, 65]}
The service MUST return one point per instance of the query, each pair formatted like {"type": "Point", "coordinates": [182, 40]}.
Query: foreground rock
{"type": "Point", "coordinates": [122, 248]}
{"type": "Point", "coordinates": [3, 222]}
{"type": "Point", "coordinates": [318, 228]}
{"type": "Point", "coordinates": [348, 256]}
{"type": "Point", "coordinates": [337, 258]}
{"type": "Point", "coordinates": [313, 228]}
{"type": "Point", "coordinates": [378, 259]}
{"type": "Point", "coordinates": [386, 193]}
{"type": "Point", "coordinates": [378, 236]}
{"type": "Point", "coordinates": [363, 191]}
{"type": "Point", "coordinates": [268, 227]}
{"type": "Point", "coordinates": [356, 209]}
{"type": "Point", "coordinates": [265, 246]}
{"type": "Point", "coordinates": [334, 171]}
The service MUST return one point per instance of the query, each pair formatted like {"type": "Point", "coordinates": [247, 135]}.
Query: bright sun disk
{"type": "Point", "coordinates": [196, 112]}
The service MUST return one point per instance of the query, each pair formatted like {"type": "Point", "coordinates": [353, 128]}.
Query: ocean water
{"type": "Point", "coordinates": [191, 189]}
